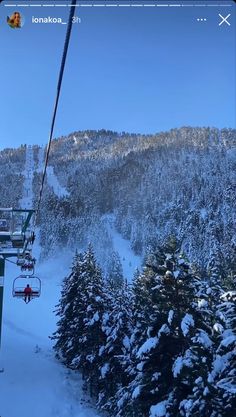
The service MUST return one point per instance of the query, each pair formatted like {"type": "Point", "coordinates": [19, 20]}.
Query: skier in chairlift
{"type": "Point", "coordinates": [28, 293]}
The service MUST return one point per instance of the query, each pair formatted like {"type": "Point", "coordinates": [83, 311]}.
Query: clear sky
{"type": "Point", "coordinates": [135, 69]}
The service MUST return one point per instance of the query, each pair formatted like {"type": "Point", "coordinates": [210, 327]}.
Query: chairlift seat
{"type": "Point", "coordinates": [21, 294]}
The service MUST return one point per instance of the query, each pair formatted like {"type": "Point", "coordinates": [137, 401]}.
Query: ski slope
{"type": "Point", "coordinates": [54, 183]}
{"type": "Point", "coordinates": [130, 262]}
{"type": "Point", "coordinates": [33, 382]}
{"type": "Point", "coordinates": [51, 177]}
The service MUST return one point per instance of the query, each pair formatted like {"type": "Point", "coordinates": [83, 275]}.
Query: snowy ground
{"type": "Point", "coordinates": [33, 382]}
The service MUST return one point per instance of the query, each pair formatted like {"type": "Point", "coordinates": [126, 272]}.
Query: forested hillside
{"type": "Point", "coordinates": [181, 182]}
{"type": "Point", "coordinates": [11, 180]}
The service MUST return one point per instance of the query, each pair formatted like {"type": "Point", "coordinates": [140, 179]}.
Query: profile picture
{"type": "Point", "coordinates": [15, 21]}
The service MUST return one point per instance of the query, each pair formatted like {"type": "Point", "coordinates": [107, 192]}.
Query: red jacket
{"type": "Point", "coordinates": [27, 290]}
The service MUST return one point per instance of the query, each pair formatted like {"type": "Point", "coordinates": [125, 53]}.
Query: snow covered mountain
{"type": "Point", "coordinates": [180, 182]}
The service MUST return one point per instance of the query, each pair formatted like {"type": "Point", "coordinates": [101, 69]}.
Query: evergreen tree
{"type": "Point", "coordinates": [93, 319]}
{"type": "Point", "coordinates": [216, 272]}
{"type": "Point", "coordinates": [115, 354]}
{"type": "Point", "coordinates": [168, 318]}
{"type": "Point", "coordinates": [223, 375]}
{"type": "Point", "coordinates": [115, 271]}
{"type": "Point", "coordinates": [205, 400]}
{"type": "Point", "coordinates": [69, 311]}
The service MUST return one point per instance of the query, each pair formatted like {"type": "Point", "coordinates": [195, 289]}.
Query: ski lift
{"type": "Point", "coordinates": [24, 258]}
{"type": "Point", "coordinates": [19, 226]}
{"type": "Point", "coordinates": [26, 262]}
{"type": "Point", "coordinates": [20, 283]}
{"type": "Point", "coordinates": [28, 266]}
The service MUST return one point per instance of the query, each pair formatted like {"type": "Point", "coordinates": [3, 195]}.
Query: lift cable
{"type": "Point", "coordinates": [60, 78]}
{"type": "Point", "coordinates": [8, 260]}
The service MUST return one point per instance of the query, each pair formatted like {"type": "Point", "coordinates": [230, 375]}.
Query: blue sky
{"type": "Point", "coordinates": [129, 69]}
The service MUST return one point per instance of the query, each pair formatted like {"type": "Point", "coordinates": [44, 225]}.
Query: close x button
{"type": "Point", "coordinates": [224, 20]}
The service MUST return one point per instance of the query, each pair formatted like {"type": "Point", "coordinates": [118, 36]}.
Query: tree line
{"type": "Point", "coordinates": [163, 346]}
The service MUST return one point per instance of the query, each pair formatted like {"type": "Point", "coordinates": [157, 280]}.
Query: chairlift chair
{"type": "Point", "coordinates": [21, 282]}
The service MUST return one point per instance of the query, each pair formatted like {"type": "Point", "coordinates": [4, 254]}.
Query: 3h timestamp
{"type": "Point", "coordinates": [76, 19]}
